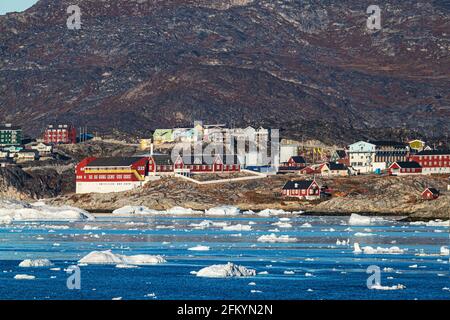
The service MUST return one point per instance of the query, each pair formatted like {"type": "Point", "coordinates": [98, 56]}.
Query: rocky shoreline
{"type": "Point", "coordinates": [368, 195]}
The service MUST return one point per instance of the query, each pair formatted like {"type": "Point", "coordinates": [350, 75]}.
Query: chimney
{"type": "Point", "coordinates": [296, 185]}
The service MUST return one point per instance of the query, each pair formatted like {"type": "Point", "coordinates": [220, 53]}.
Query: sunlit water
{"type": "Point", "coordinates": [321, 269]}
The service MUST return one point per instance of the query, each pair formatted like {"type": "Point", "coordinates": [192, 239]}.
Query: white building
{"type": "Point", "coordinates": [362, 156]}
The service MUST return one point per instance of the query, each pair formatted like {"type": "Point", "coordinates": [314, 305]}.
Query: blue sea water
{"type": "Point", "coordinates": [322, 269]}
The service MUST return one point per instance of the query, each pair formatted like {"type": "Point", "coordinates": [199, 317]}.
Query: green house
{"type": "Point", "coordinates": [10, 136]}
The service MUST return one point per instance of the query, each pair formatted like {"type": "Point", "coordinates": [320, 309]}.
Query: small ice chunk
{"type": "Point", "coordinates": [29, 263]}
{"type": "Point", "coordinates": [225, 271]}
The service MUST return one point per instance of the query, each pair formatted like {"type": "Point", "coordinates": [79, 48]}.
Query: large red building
{"type": "Point", "coordinates": [104, 175]}
{"type": "Point", "coordinates": [433, 161]}
{"type": "Point", "coordinates": [116, 174]}
{"type": "Point", "coordinates": [60, 134]}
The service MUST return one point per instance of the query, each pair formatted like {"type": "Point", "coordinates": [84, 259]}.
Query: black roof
{"type": "Point", "coordinates": [388, 143]}
{"type": "Point", "coordinates": [298, 184]}
{"type": "Point", "coordinates": [3, 127]}
{"type": "Point", "coordinates": [114, 162]}
{"type": "Point", "coordinates": [408, 164]}
{"type": "Point", "coordinates": [433, 152]}
{"type": "Point", "coordinates": [341, 153]}
{"type": "Point", "coordinates": [163, 159]}
{"type": "Point", "coordinates": [433, 190]}
{"type": "Point", "coordinates": [337, 166]}
{"type": "Point", "coordinates": [298, 159]}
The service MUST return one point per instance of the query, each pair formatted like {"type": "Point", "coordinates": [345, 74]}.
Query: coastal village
{"type": "Point", "coordinates": [307, 166]}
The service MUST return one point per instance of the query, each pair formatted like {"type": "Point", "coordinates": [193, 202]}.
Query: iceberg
{"type": "Point", "coordinates": [199, 248]}
{"type": "Point", "coordinates": [378, 250]}
{"type": "Point", "coordinates": [273, 238]}
{"type": "Point", "coordinates": [24, 277]}
{"type": "Point", "coordinates": [282, 224]}
{"type": "Point", "coordinates": [182, 211]}
{"type": "Point", "coordinates": [237, 227]}
{"type": "Point", "coordinates": [445, 251]}
{"type": "Point", "coordinates": [356, 219]}
{"type": "Point", "coordinates": [13, 210]}
{"type": "Point", "coordinates": [431, 223]}
{"type": "Point", "coordinates": [223, 211]}
{"type": "Point", "coordinates": [107, 257]}
{"type": "Point", "coordinates": [380, 287]}
{"type": "Point", "coordinates": [225, 271]}
{"type": "Point", "coordinates": [28, 263]}
{"type": "Point", "coordinates": [271, 212]}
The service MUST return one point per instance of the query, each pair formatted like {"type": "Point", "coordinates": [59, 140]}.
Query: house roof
{"type": "Point", "coordinates": [298, 159]}
{"type": "Point", "coordinates": [3, 127]}
{"type": "Point", "coordinates": [388, 143]}
{"type": "Point", "coordinates": [163, 159]}
{"type": "Point", "coordinates": [433, 152]}
{"type": "Point", "coordinates": [341, 153]}
{"type": "Point", "coordinates": [337, 166]}
{"type": "Point", "coordinates": [114, 162]}
{"type": "Point", "coordinates": [408, 164]}
{"type": "Point", "coordinates": [298, 184]}
{"type": "Point", "coordinates": [432, 190]}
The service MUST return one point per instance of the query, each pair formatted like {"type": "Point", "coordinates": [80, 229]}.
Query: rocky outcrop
{"type": "Point", "coordinates": [310, 68]}
{"type": "Point", "coordinates": [363, 194]}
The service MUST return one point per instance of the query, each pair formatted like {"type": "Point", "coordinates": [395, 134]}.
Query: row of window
{"type": "Point", "coordinates": [105, 177]}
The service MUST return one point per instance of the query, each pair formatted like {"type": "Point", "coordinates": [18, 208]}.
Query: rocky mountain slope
{"type": "Point", "coordinates": [309, 67]}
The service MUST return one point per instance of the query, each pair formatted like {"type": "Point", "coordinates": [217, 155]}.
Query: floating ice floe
{"type": "Point", "coordinates": [126, 266]}
{"type": "Point", "coordinates": [199, 248]}
{"type": "Point", "coordinates": [364, 234]}
{"type": "Point", "coordinates": [273, 238]}
{"type": "Point", "coordinates": [89, 227]}
{"type": "Point", "coordinates": [431, 223]}
{"type": "Point", "coordinates": [272, 212]}
{"type": "Point", "coordinates": [378, 250]}
{"type": "Point", "coordinates": [223, 211]}
{"type": "Point", "coordinates": [24, 277]}
{"type": "Point", "coordinates": [445, 251]}
{"type": "Point", "coordinates": [380, 287]}
{"type": "Point", "coordinates": [356, 219]}
{"type": "Point", "coordinates": [306, 225]}
{"type": "Point", "coordinates": [107, 257]}
{"type": "Point", "coordinates": [225, 271]}
{"type": "Point", "coordinates": [139, 210]}
{"type": "Point", "coordinates": [237, 227]}
{"type": "Point", "coordinates": [13, 210]}
{"type": "Point", "coordinates": [182, 211]}
{"type": "Point", "coordinates": [29, 263]}
{"type": "Point", "coordinates": [281, 224]}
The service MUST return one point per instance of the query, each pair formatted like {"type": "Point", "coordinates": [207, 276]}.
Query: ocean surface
{"type": "Point", "coordinates": [312, 267]}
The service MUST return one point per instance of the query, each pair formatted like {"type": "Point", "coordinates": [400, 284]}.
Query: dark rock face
{"type": "Point", "coordinates": [308, 67]}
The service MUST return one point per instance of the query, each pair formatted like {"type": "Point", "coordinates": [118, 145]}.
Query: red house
{"type": "Point", "coordinates": [60, 134]}
{"type": "Point", "coordinates": [115, 174]}
{"type": "Point", "coordinates": [401, 168]}
{"type": "Point", "coordinates": [294, 163]}
{"type": "Point", "coordinates": [430, 194]}
{"type": "Point", "coordinates": [302, 189]}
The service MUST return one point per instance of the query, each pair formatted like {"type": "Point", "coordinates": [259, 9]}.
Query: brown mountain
{"type": "Point", "coordinates": [309, 67]}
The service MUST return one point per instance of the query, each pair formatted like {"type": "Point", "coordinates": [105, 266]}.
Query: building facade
{"type": "Point", "coordinates": [60, 134]}
{"type": "Point", "coordinates": [433, 161]}
{"type": "Point", "coordinates": [302, 189]}
{"type": "Point", "coordinates": [401, 168]}
{"type": "Point", "coordinates": [362, 156]}
{"type": "Point", "coordinates": [104, 175]}
{"type": "Point", "coordinates": [10, 135]}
